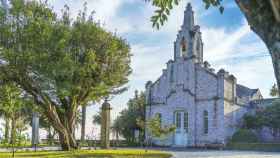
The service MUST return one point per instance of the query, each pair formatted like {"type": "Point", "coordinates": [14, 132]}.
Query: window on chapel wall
{"type": "Point", "coordinates": [205, 122]}
{"type": "Point", "coordinates": [186, 121]}
{"type": "Point", "coordinates": [178, 120]}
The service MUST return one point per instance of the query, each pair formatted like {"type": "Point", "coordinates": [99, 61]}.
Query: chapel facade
{"type": "Point", "coordinates": [205, 106]}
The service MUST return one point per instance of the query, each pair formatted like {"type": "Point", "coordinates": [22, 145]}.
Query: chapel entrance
{"type": "Point", "coordinates": [181, 132]}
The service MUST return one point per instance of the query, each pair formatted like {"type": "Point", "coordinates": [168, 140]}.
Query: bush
{"type": "Point", "coordinates": [270, 147]}
{"type": "Point", "coordinates": [244, 136]}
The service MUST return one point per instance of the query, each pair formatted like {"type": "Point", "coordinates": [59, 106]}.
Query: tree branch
{"type": "Point", "coordinates": [275, 5]}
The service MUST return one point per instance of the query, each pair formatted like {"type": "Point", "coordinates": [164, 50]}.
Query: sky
{"type": "Point", "coordinates": [228, 43]}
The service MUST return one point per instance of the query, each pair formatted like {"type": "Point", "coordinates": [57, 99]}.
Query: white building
{"type": "Point", "coordinates": [206, 107]}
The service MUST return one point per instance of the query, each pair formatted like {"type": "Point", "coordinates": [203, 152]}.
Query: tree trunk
{"type": "Point", "coordinates": [67, 140]}
{"type": "Point", "coordinates": [275, 56]}
{"type": "Point", "coordinates": [84, 110]}
{"type": "Point", "coordinates": [64, 126]}
{"type": "Point", "coordinates": [13, 131]}
{"type": "Point", "coordinates": [264, 23]}
{"type": "Point", "coordinates": [7, 129]}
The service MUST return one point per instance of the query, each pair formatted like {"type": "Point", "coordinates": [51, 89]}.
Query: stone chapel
{"type": "Point", "coordinates": [205, 106]}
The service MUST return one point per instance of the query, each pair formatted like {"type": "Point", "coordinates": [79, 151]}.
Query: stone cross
{"type": "Point", "coordinates": [105, 124]}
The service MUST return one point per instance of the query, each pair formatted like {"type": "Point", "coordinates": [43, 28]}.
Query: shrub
{"type": "Point", "coordinates": [244, 136]}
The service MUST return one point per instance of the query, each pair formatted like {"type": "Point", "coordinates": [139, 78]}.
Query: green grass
{"type": "Point", "coordinates": [127, 153]}
{"type": "Point", "coordinates": [22, 145]}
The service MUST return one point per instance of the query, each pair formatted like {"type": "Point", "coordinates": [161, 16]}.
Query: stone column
{"type": "Point", "coordinates": [35, 129]}
{"type": "Point", "coordinates": [105, 124]}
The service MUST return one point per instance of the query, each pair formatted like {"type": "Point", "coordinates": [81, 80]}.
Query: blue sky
{"type": "Point", "coordinates": [228, 42]}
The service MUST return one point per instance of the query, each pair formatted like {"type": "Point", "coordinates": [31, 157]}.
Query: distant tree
{"type": "Point", "coordinates": [156, 130]}
{"type": "Point", "coordinates": [253, 121]}
{"type": "Point", "coordinates": [14, 106]}
{"type": "Point", "coordinates": [97, 118]}
{"type": "Point", "coordinates": [127, 121]}
{"type": "Point", "coordinates": [117, 127]}
{"type": "Point", "coordinates": [271, 116]}
{"type": "Point", "coordinates": [63, 63]}
{"type": "Point", "coordinates": [268, 117]}
{"type": "Point", "coordinates": [274, 91]}
{"type": "Point", "coordinates": [262, 16]}
{"type": "Point", "coordinates": [46, 125]}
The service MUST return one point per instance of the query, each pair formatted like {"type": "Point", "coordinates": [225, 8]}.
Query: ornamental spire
{"type": "Point", "coordinates": [188, 17]}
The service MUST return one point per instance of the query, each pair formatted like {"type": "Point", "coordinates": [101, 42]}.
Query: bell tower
{"type": "Point", "coordinates": [188, 44]}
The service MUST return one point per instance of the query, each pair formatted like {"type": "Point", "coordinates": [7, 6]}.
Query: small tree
{"type": "Point", "coordinates": [274, 91]}
{"type": "Point", "coordinates": [271, 117]}
{"type": "Point", "coordinates": [15, 107]}
{"type": "Point", "coordinates": [268, 117]}
{"type": "Point", "coordinates": [155, 129]}
{"type": "Point", "coordinates": [97, 118]}
{"type": "Point", "coordinates": [128, 118]}
{"type": "Point", "coordinates": [253, 121]}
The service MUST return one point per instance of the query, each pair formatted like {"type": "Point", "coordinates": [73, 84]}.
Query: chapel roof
{"type": "Point", "coordinates": [243, 91]}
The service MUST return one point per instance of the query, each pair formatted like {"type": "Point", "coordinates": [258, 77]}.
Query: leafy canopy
{"type": "Point", "coordinates": [60, 61]}
{"type": "Point", "coordinates": [267, 117]}
{"type": "Point", "coordinates": [165, 6]}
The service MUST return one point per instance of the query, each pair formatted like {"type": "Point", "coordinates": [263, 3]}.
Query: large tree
{"type": "Point", "coordinates": [62, 62]}
{"type": "Point", "coordinates": [262, 15]}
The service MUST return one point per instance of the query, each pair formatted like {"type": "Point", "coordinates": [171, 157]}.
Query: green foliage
{"type": "Point", "coordinates": [268, 147]}
{"type": "Point", "coordinates": [127, 122]}
{"type": "Point", "coordinates": [253, 121]}
{"type": "Point", "coordinates": [61, 62]}
{"type": "Point", "coordinates": [15, 108]}
{"type": "Point", "coordinates": [156, 130]}
{"type": "Point", "coordinates": [274, 91]}
{"type": "Point", "coordinates": [271, 115]}
{"type": "Point", "coordinates": [244, 136]}
{"type": "Point", "coordinates": [165, 6]}
{"type": "Point", "coordinates": [268, 117]}
{"type": "Point", "coordinates": [97, 118]}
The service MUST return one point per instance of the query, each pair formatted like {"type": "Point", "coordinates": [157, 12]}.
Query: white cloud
{"type": "Point", "coordinates": [219, 44]}
{"type": "Point", "coordinates": [241, 53]}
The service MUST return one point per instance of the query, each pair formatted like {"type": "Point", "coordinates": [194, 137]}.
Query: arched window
{"type": "Point", "coordinates": [178, 120]}
{"type": "Point", "coordinates": [186, 121]}
{"type": "Point", "coordinates": [205, 122]}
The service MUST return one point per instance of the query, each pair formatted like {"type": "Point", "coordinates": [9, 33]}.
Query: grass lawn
{"type": "Point", "coordinates": [120, 153]}
{"type": "Point", "coordinates": [23, 145]}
